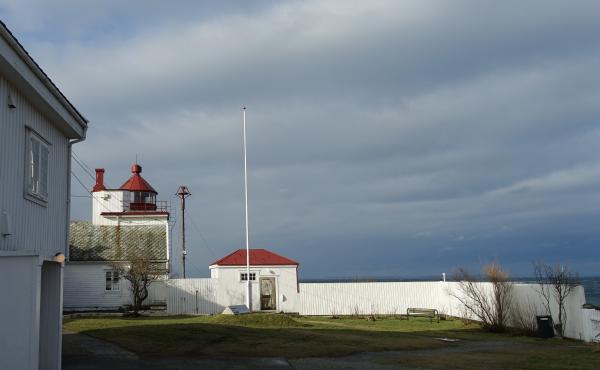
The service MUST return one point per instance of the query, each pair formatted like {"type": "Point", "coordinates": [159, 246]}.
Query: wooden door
{"type": "Point", "coordinates": [268, 296]}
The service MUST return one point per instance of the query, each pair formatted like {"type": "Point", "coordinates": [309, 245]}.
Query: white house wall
{"type": "Point", "coordinates": [50, 316]}
{"type": "Point", "coordinates": [34, 227]}
{"type": "Point", "coordinates": [106, 201]}
{"type": "Point", "coordinates": [20, 287]}
{"type": "Point", "coordinates": [285, 285]}
{"type": "Point", "coordinates": [84, 289]}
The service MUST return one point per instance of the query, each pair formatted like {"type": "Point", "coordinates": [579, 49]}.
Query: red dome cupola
{"type": "Point", "coordinates": [143, 195]}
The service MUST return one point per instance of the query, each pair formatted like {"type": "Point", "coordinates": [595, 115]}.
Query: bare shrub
{"type": "Point", "coordinates": [523, 317]}
{"type": "Point", "coordinates": [371, 316]}
{"type": "Point", "coordinates": [555, 283]}
{"type": "Point", "coordinates": [334, 313]}
{"type": "Point", "coordinates": [140, 272]}
{"type": "Point", "coordinates": [490, 304]}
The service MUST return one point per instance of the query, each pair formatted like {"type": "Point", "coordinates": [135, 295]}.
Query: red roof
{"type": "Point", "coordinates": [136, 182]}
{"type": "Point", "coordinates": [258, 257]}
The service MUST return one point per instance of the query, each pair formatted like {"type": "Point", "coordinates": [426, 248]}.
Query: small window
{"type": "Point", "coordinates": [244, 276]}
{"type": "Point", "coordinates": [37, 167]}
{"type": "Point", "coordinates": [112, 280]}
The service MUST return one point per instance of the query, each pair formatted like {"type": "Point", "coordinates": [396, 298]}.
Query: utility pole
{"type": "Point", "coordinates": [182, 194]}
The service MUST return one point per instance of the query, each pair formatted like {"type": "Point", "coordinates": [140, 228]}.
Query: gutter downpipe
{"type": "Point", "coordinates": [67, 234]}
{"type": "Point", "coordinates": [68, 231]}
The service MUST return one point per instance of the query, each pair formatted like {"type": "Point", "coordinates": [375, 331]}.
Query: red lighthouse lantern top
{"type": "Point", "coordinates": [136, 182]}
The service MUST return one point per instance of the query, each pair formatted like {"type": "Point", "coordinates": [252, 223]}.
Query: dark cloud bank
{"type": "Point", "coordinates": [385, 137]}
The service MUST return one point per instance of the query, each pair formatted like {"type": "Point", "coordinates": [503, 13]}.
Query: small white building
{"type": "Point", "coordinates": [38, 125]}
{"type": "Point", "coordinates": [126, 221]}
{"type": "Point", "coordinates": [274, 279]}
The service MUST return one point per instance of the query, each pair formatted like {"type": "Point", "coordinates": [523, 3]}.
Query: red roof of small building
{"type": "Point", "coordinates": [136, 182]}
{"type": "Point", "coordinates": [258, 257]}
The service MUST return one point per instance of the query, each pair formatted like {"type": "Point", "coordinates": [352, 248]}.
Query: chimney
{"type": "Point", "coordinates": [99, 180]}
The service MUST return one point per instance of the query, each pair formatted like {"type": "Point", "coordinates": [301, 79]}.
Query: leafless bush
{"type": "Point", "coordinates": [524, 318]}
{"type": "Point", "coordinates": [464, 316]}
{"type": "Point", "coordinates": [555, 283]}
{"type": "Point", "coordinates": [492, 308]}
{"type": "Point", "coordinates": [394, 312]}
{"type": "Point", "coordinates": [141, 272]}
{"type": "Point", "coordinates": [371, 316]}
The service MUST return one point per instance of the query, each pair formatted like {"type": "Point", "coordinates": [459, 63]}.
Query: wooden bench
{"type": "Point", "coordinates": [423, 312]}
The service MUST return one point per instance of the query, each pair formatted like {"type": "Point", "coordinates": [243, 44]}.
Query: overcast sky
{"type": "Point", "coordinates": [398, 138]}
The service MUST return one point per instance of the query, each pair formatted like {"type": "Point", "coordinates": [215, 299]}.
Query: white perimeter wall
{"type": "Point", "coordinates": [84, 289]}
{"type": "Point", "coordinates": [591, 325]}
{"type": "Point", "coordinates": [211, 296]}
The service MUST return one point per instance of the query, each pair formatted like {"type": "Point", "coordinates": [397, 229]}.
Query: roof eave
{"type": "Point", "coordinates": [22, 71]}
{"type": "Point", "coordinates": [255, 264]}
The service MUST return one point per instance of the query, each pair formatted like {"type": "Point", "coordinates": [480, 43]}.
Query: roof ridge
{"type": "Point", "coordinates": [258, 257]}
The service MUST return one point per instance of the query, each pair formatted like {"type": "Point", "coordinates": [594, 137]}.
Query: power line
{"type": "Point", "coordinates": [88, 167]}
{"type": "Point", "coordinates": [212, 252]}
{"type": "Point", "coordinates": [83, 165]}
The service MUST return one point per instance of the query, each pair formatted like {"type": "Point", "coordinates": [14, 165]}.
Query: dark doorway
{"type": "Point", "coordinates": [268, 296]}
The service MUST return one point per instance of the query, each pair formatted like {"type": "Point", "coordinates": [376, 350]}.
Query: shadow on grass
{"type": "Point", "coordinates": [281, 336]}
{"type": "Point", "coordinates": [205, 339]}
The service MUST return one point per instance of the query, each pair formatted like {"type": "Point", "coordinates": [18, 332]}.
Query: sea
{"type": "Point", "coordinates": [592, 290]}
{"type": "Point", "coordinates": [591, 285]}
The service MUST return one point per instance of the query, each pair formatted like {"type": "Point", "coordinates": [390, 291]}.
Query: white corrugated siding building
{"type": "Point", "coordinates": [126, 221]}
{"type": "Point", "coordinates": [37, 127]}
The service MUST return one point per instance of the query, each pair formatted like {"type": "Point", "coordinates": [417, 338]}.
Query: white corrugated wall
{"type": "Point", "coordinates": [48, 221]}
{"type": "Point", "coordinates": [367, 298]}
{"type": "Point", "coordinates": [591, 325]}
{"type": "Point", "coordinates": [210, 296]}
{"type": "Point", "coordinates": [84, 289]}
{"type": "Point", "coordinates": [194, 296]}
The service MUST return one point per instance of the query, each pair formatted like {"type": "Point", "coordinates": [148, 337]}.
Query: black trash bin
{"type": "Point", "coordinates": [545, 327]}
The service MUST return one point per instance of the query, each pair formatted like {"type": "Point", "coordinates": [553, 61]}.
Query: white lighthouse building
{"type": "Point", "coordinates": [126, 221]}
{"type": "Point", "coordinates": [133, 203]}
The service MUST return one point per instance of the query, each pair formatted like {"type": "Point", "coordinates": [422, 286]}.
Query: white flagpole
{"type": "Point", "coordinates": [248, 282]}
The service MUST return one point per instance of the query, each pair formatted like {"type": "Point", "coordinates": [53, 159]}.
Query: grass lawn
{"type": "Point", "coordinates": [293, 337]}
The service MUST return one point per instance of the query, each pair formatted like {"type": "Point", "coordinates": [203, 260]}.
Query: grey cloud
{"type": "Point", "coordinates": [389, 137]}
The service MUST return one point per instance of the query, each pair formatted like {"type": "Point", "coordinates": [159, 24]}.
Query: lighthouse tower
{"type": "Point", "coordinates": [132, 204]}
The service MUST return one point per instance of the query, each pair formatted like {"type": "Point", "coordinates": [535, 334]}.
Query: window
{"type": "Point", "coordinates": [112, 280]}
{"type": "Point", "coordinates": [244, 276]}
{"type": "Point", "coordinates": [143, 197]}
{"type": "Point", "coordinates": [37, 167]}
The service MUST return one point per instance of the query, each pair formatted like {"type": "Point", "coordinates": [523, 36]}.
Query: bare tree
{"type": "Point", "coordinates": [558, 282]}
{"type": "Point", "coordinates": [140, 272]}
{"type": "Point", "coordinates": [489, 303]}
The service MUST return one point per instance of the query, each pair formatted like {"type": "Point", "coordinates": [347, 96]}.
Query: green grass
{"type": "Point", "coordinates": [294, 336]}
{"type": "Point", "coordinates": [248, 335]}
{"type": "Point", "coordinates": [558, 357]}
